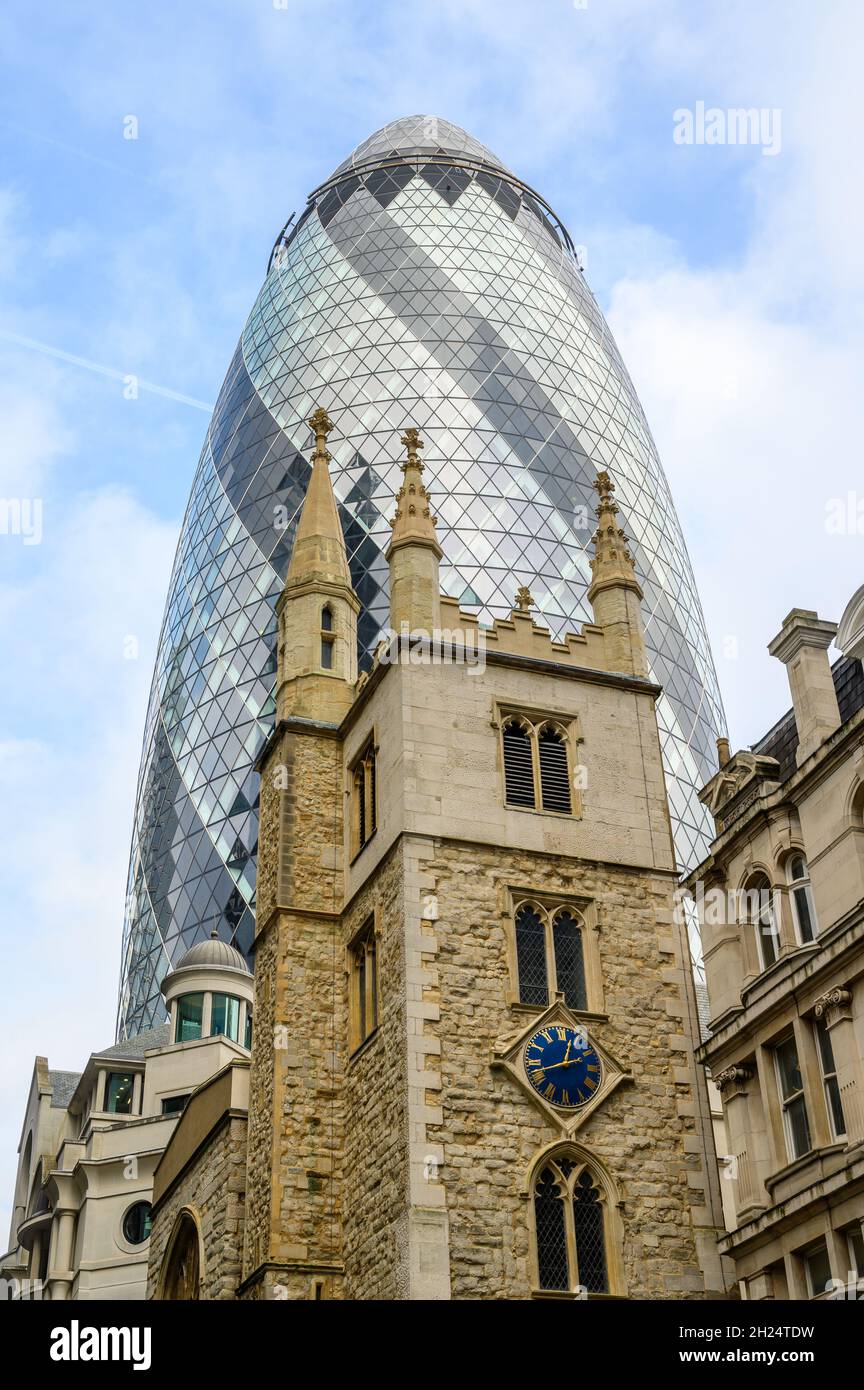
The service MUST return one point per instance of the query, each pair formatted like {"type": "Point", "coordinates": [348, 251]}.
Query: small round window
{"type": "Point", "coordinates": [137, 1223]}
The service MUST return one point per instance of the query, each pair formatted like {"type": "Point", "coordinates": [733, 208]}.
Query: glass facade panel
{"type": "Point", "coordinates": [190, 1017]}
{"type": "Point", "coordinates": [118, 1092]}
{"type": "Point", "coordinates": [225, 1017]}
{"type": "Point", "coordinates": [449, 298]}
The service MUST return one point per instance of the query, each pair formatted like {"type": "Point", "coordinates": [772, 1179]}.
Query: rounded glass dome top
{"type": "Point", "coordinates": [412, 290]}
{"type": "Point", "coordinates": [418, 135]}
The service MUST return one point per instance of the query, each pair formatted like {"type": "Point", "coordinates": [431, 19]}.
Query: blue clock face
{"type": "Point", "coordinates": [562, 1066]}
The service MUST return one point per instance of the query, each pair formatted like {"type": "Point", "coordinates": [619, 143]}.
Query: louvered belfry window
{"type": "Point", "coordinates": [554, 772]}
{"type": "Point", "coordinates": [519, 763]}
{"type": "Point", "coordinates": [570, 1229]}
{"type": "Point", "coordinates": [537, 765]}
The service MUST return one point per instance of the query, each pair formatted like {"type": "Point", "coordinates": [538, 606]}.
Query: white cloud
{"type": "Point", "coordinates": [67, 786]}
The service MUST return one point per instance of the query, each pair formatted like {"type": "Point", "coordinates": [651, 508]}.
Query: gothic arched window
{"type": "Point", "coordinates": [550, 955]}
{"type": "Point", "coordinates": [570, 1227]}
{"type": "Point", "coordinates": [536, 765]}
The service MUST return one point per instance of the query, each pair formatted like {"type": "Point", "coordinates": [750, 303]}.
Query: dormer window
{"type": "Point", "coordinates": [328, 637]}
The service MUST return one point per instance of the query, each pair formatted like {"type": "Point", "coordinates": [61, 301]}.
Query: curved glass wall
{"type": "Point", "coordinates": [423, 284]}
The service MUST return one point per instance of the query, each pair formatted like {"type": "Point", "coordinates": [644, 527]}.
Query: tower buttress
{"type": "Point", "coordinates": [317, 609]}
{"type": "Point", "coordinates": [615, 593]}
{"type": "Point", "coordinates": [414, 553]}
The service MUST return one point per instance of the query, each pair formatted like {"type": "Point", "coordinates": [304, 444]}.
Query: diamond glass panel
{"type": "Point", "coordinates": [590, 1243]}
{"type": "Point", "coordinates": [569, 961]}
{"type": "Point", "coordinates": [425, 285]}
{"type": "Point", "coordinates": [551, 1233]}
{"type": "Point", "coordinates": [531, 957]}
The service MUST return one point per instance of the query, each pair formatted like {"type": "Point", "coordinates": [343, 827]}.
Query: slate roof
{"type": "Point", "coordinates": [63, 1085]}
{"type": "Point", "coordinates": [781, 742]}
{"type": "Point", "coordinates": [133, 1049]}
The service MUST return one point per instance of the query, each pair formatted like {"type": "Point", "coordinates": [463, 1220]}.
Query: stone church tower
{"type": "Point", "coordinates": [472, 1072]}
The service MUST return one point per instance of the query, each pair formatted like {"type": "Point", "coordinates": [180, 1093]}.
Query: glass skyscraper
{"type": "Point", "coordinates": [423, 284]}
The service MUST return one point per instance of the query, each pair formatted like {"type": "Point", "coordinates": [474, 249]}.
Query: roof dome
{"type": "Point", "coordinates": [205, 955]}
{"type": "Point", "coordinates": [412, 135]}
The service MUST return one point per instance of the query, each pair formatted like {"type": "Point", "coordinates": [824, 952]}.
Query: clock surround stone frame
{"type": "Point", "coordinates": [510, 1060]}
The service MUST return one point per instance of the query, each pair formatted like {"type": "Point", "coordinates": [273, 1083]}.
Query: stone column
{"type": "Point", "coordinates": [835, 1007]}
{"type": "Point", "coordinates": [35, 1255]}
{"type": "Point", "coordinates": [136, 1093]}
{"type": "Point", "coordinates": [732, 1084]}
{"type": "Point", "coordinates": [61, 1272]}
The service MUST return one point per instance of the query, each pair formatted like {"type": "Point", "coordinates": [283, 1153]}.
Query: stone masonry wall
{"type": "Point", "coordinates": [376, 1124]}
{"type": "Point", "coordinates": [492, 1132]}
{"type": "Point", "coordinates": [295, 1102]}
{"type": "Point", "coordinates": [214, 1189]}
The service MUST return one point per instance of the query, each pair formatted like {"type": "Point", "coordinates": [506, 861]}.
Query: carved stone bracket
{"type": "Point", "coordinates": [833, 1005]}
{"type": "Point", "coordinates": [733, 1079]}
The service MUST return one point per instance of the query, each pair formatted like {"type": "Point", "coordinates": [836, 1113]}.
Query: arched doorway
{"type": "Point", "coordinates": [181, 1268]}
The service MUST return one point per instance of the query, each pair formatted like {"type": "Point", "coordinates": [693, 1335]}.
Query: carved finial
{"type": "Point", "coordinates": [612, 555]}
{"type": "Point", "coordinates": [606, 490]}
{"type": "Point", "coordinates": [414, 520]}
{"type": "Point", "coordinates": [524, 599]}
{"type": "Point", "coordinates": [412, 441]}
{"type": "Point", "coordinates": [321, 424]}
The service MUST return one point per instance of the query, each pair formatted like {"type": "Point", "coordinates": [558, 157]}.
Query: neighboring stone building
{"type": "Point", "coordinates": [781, 899]}
{"type": "Point", "coordinates": [91, 1141]}
{"type": "Point", "coordinates": [473, 1069]}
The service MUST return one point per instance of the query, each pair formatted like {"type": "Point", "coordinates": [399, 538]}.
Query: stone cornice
{"type": "Point", "coordinates": [839, 953]}
{"type": "Point", "coordinates": [802, 782]}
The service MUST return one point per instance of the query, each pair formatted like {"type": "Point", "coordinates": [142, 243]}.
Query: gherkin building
{"type": "Point", "coordinates": [422, 284]}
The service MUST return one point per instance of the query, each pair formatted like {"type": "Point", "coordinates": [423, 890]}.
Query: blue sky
{"type": "Point", "coordinates": [732, 280]}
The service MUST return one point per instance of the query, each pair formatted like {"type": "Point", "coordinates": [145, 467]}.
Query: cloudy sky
{"type": "Point", "coordinates": [732, 277]}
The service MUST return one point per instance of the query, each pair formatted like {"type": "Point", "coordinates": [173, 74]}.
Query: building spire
{"type": "Point", "coordinates": [413, 523]}
{"type": "Point", "coordinates": [612, 562]}
{"type": "Point", "coordinates": [615, 593]}
{"type": "Point", "coordinates": [414, 553]}
{"type": "Point", "coordinates": [319, 546]}
{"type": "Point", "coordinates": [316, 656]}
